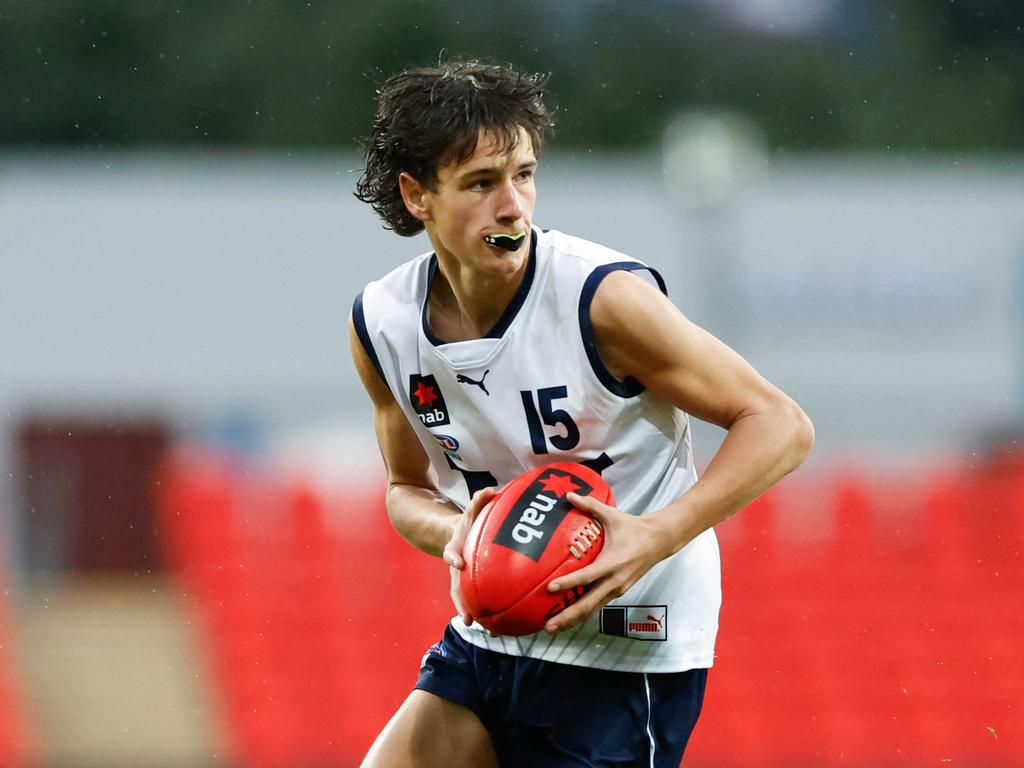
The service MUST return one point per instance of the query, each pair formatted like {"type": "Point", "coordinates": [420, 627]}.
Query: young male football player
{"type": "Point", "coordinates": [508, 347]}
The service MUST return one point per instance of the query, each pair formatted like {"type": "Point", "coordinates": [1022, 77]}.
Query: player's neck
{"type": "Point", "coordinates": [465, 304]}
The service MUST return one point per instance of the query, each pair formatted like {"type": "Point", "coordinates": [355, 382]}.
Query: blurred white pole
{"type": "Point", "coordinates": [709, 158]}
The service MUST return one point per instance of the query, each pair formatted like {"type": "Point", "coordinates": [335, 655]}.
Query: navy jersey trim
{"type": "Point", "coordinates": [499, 328]}
{"type": "Point", "coordinates": [431, 272]}
{"type": "Point", "coordinates": [359, 320]}
{"type": "Point", "coordinates": [629, 387]}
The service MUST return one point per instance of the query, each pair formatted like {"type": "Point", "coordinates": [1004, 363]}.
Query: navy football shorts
{"type": "Point", "coordinates": [546, 715]}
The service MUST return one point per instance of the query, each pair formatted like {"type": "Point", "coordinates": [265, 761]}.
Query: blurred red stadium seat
{"type": "Point", "coordinates": [316, 612]}
{"type": "Point", "coordinates": [898, 641]}
{"type": "Point", "coordinates": [869, 620]}
{"type": "Point", "coordinates": [16, 748]}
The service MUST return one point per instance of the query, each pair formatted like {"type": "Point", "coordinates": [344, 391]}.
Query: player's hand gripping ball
{"type": "Point", "coordinates": [525, 537]}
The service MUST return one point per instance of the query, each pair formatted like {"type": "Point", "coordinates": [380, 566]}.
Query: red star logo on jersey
{"type": "Point", "coordinates": [426, 395]}
{"type": "Point", "coordinates": [427, 400]}
{"type": "Point", "coordinates": [559, 484]}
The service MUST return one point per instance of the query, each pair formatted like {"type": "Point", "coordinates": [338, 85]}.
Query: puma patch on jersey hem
{"type": "Point", "coordinates": [637, 622]}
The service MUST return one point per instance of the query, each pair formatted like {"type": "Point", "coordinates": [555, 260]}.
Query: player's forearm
{"type": "Point", "coordinates": [760, 449]}
{"type": "Point", "coordinates": [421, 516]}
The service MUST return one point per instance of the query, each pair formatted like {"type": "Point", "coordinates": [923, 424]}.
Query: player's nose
{"type": "Point", "coordinates": [510, 203]}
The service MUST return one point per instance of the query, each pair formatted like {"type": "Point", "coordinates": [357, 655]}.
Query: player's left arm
{"type": "Point", "coordinates": [640, 333]}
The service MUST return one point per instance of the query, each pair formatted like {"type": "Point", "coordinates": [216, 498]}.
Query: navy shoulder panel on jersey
{"type": "Point", "coordinates": [629, 387]}
{"type": "Point", "coordinates": [359, 320]}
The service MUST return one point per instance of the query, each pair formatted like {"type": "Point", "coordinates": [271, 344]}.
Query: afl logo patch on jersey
{"type": "Point", "coordinates": [447, 442]}
{"type": "Point", "coordinates": [538, 512]}
{"type": "Point", "coordinates": [438, 649]}
{"type": "Point", "coordinates": [427, 401]}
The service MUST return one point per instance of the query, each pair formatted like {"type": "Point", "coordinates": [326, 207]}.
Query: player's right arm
{"type": "Point", "coordinates": [418, 511]}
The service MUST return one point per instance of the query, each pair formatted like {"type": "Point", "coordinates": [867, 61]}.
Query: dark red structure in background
{"type": "Point", "coordinates": [83, 497]}
{"type": "Point", "coordinates": [868, 620]}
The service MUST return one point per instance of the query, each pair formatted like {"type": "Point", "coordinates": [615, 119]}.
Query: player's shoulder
{"type": "Point", "coordinates": [402, 286]}
{"type": "Point", "coordinates": [586, 265]}
{"type": "Point", "coordinates": [405, 276]}
{"type": "Point", "coordinates": [586, 254]}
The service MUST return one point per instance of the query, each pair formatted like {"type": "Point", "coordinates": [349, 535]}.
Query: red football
{"type": "Point", "coordinates": [526, 536]}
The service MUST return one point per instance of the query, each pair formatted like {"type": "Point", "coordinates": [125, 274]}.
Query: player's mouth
{"type": "Point", "coordinates": [504, 241]}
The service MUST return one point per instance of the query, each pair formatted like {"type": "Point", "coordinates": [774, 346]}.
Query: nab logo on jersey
{"type": "Point", "coordinates": [427, 401]}
{"type": "Point", "coordinates": [538, 512]}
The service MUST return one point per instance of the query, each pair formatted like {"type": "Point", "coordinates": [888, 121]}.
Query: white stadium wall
{"type": "Point", "coordinates": [885, 295]}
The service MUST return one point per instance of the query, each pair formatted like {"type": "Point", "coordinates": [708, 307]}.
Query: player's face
{"type": "Point", "coordinates": [490, 193]}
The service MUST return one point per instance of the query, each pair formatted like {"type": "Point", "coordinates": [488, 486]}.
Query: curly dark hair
{"type": "Point", "coordinates": [428, 117]}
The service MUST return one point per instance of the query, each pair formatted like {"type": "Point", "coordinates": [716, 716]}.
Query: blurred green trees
{"type": "Point", "coordinates": [907, 74]}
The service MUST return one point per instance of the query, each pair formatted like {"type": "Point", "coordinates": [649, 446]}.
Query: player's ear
{"type": "Point", "coordinates": [414, 195]}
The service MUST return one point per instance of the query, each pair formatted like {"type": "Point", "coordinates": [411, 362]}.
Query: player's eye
{"type": "Point", "coordinates": [481, 184]}
{"type": "Point", "coordinates": [525, 175]}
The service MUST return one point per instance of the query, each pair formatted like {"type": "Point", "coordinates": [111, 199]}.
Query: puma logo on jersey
{"type": "Point", "coordinates": [650, 624]}
{"type": "Point", "coordinates": [427, 401]}
{"type": "Point", "coordinates": [466, 380]}
{"type": "Point", "coordinates": [639, 622]}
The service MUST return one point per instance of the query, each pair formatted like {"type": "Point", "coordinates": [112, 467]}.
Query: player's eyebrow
{"type": "Point", "coordinates": [474, 173]}
{"type": "Point", "coordinates": [494, 170]}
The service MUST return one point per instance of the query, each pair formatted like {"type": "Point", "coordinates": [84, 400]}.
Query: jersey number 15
{"type": "Point", "coordinates": [552, 417]}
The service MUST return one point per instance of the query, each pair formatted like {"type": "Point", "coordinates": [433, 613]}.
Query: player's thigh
{"type": "Point", "coordinates": [428, 731]}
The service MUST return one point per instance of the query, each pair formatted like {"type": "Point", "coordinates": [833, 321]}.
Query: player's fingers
{"type": "Point", "coordinates": [453, 554]}
{"type": "Point", "coordinates": [590, 505]}
{"type": "Point", "coordinates": [585, 575]}
{"type": "Point", "coordinates": [479, 501]}
{"type": "Point", "coordinates": [581, 610]}
{"type": "Point", "coordinates": [456, 593]}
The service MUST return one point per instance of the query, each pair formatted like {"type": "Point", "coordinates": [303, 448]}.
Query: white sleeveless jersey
{"type": "Point", "coordinates": [535, 391]}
